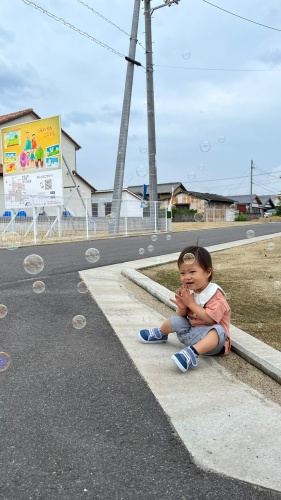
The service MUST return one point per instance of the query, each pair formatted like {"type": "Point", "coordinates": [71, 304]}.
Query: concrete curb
{"type": "Point", "coordinates": [256, 352]}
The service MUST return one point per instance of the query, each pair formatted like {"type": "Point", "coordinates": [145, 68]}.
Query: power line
{"type": "Point", "coordinates": [217, 69]}
{"type": "Point", "coordinates": [241, 17]}
{"type": "Point", "coordinates": [108, 21]}
{"type": "Point", "coordinates": [228, 178]}
{"type": "Point", "coordinates": [71, 26]}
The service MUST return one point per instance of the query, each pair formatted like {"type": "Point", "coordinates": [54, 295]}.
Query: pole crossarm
{"type": "Point", "coordinates": [167, 3]}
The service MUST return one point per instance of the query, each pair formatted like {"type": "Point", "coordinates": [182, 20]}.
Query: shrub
{"type": "Point", "coordinates": [241, 217]}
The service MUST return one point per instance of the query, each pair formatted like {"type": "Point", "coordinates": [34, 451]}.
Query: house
{"type": "Point", "coordinates": [258, 207]}
{"type": "Point", "coordinates": [131, 204]}
{"type": "Point", "coordinates": [74, 186]}
{"type": "Point", "coordinates": [185, 199]}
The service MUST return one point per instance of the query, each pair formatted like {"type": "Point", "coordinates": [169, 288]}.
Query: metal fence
{"type": "Point", "coordinates": [31, 224]}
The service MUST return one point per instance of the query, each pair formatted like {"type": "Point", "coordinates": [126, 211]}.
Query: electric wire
{"type": "Point", "coordinates": [108, 21]}
{"type": "Point", "coordinates": [71, 26]}
{"type": "Point", "coordinates": [241, 17]}
{"type": "Point", "coordinates": [217, 69]}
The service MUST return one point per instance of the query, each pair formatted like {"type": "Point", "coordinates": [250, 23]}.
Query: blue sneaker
{"type": "Point", "coordinates": [185, 358]}
{"type": "Point", "coordinates": [152, 336]}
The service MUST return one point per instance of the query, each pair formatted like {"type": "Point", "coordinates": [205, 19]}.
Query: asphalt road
{"type": "Point", "coordinates": [77, 420]}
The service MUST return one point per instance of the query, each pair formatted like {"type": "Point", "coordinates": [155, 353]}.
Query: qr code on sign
{"type": "Point", "coordinates": [48, 184]}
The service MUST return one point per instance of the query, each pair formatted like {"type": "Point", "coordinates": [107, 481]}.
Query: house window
{"type": "Point", "coordinates": [95, 209]}
{"type": "Point", "coordinates": [107, 208]}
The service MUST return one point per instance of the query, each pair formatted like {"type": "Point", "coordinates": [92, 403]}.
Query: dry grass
{"type": "Point", "coordinates": [251, 277]}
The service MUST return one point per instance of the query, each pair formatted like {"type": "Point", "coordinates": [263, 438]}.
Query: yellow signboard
{"type": "Point", "coordinates": [32, 165]}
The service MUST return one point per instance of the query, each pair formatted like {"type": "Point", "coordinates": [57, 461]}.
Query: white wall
{"type": "Point", "coordinates": [130, 205]}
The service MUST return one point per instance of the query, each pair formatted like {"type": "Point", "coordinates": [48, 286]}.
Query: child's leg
{"type": "Point", "coordinates": [166, 327]}
{"type": "Point", "coordinates": [208, 343]}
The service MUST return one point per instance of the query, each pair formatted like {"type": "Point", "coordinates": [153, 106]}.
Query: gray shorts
{"type": "Point", "coordinates": [190, 335]}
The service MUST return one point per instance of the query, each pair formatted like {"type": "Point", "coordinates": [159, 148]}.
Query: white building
{"type": "Point", "coordinates": [131, 204]}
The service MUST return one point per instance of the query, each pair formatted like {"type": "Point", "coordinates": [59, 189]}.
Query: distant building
{"type": "Point", "coordinates": [259, 204]}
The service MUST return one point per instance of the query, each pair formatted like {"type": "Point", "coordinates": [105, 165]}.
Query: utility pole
{"type": "Point", "coordinates": [123, 134]}
{"type": "Point", "coordinates": [153, 197]}
{"type": "Point", "coordinates": [251, 186]}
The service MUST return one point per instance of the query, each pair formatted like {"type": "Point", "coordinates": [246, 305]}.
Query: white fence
{"type": "Point", "coordinates": [27, 225]}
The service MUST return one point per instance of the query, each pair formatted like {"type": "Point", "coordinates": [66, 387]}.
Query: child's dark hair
{"type": "Point", "coordinates": [201, 255]}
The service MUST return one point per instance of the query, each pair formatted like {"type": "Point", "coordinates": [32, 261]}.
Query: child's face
{"type": "Point", "coordinates": [193, 277]}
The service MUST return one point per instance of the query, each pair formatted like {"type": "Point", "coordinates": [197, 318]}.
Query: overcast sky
{"type": "Point", "coordinates": [53, 69]}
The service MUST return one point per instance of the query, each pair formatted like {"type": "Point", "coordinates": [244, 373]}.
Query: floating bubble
{"type": "Point", "coordinates": [92, 255]}
{"type": "Point", "coordinates": [143, 149]}
{"type": "Point", "coordinates": [277, 285]}
{"type": "Point", "coordinates": [228, 296]}
{"type": "Point", "coordinates": [33, 264]}
{"type": "Point", "coordinates": [188, 258]}
{"type": "Point", "coordinates": [221, 138]}
{"type": "Point", "coordinates": [128, 176]}
{"type": "Point", "coordinates": [270, 246]}
{"type": "Point", "coordinates": [110, 218]}
{"type": "Point", "coordinates": [145, 203]}
{"type": "Point", "coordinates": [3, 311]}
{"type": "Point", "coordinates": [141, 251]}
{"type": "Point", "coordinates": [191, 175]}
{"type": "Point", "coordinates": [82, 287]}
{"type": "Point", "coordinates": [141, 171]}
{"type": "Point", "coordinates": [217, 267]}
{"type": "Point", "coordinates": [199, 217]}
{"type": "Point", "coordinates": [102, 201]}
{"type": "Point", "coordinates": [205, 146]}
{"type": "Point", "coordinates": [38, 286]}
{"type": "Point", "coordinates": [10, 240]}
{"type": "Point", "coordinates": [154, 237]}
{"type": "Point", "coordinates": [233, 206]}
{"type": "Point", "coordinates": [250, 233]}
{"type": "Point", "coordinates": [4, 361]}
{"type": "Point", "coordinates": [260, 325]}
{"type": "Point", "coordinates": [150, 248]}
{"type": "Point", "coordinates": [168, 237]}
{"type": "Point", "coordinates": [186, 54]}
{"type": "Point", "coordinates": [206, 204]}
{"type": "Point", "coordinates": [79, 322]}
{"type": "Point", "coordinates": [201, 166]}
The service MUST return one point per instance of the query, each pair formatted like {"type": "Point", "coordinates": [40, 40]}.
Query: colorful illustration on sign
{"type": "Point", "coordinates": [53, 150]}
{"type": "Point", "coordinates": [12, 138]}
{"type": "Point", "coordinates": [52, 162]}
{"type": "Point", "coordinates": [8, 157]}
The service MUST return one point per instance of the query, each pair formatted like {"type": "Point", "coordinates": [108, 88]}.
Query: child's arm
{"type": "Point", "coordinates": [188, 299]}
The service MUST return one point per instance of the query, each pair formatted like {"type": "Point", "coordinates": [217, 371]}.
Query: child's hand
{"type": "Point", "coordinates": [186, 297]}
{"type": "Point", "coordinates": [178, 300]}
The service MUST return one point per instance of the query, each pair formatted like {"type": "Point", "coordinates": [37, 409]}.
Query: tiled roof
{"type": "Point", "coordinates": [210, 196]}
{"type": "Point", "coordinates": [245, 199]}
{"type": "Point", "coordinates": [18, 114]}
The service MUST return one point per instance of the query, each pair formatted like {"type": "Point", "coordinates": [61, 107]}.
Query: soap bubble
{"type": "Point", "coordinates": [188, 258]}
{"type": "Point", "coordinates": [221, 138]}
{"type": "Point", "coordinates": [228, 296]}
{"type": "Point", "coordinates": [110, 218]}
{"type": "Point", "coordinates": [10, 240]}
{"type": "Point", "coordinates": [154, 237]}
{"type": "Point", "coordinates": [206, 204]}
{"type": "Point", "coordinates": [38, 286]}
{"type": "Point", "coordinates": [168, 237]}
{"type": "Point", "coordinates": [199, 217]}
{"type": "Point", "coordinates": [201, 166]}
{"type": "Point", "coordinates": [270, 246]}
{"type": "Point", "coordinates": [260, 325]}
{"type": "Point", "coordinates": [233, 206]}
{"type": "Point", "coordinates": [186, 54]}
{"type": "Point", "coordinates": [128, 176]}
{"type": "Point", "coordinates": [33, 264]}
{"type": "Point", "coordinates": [217, 267]}
{"type": "Point", "coordinates": [277, 285]}
{"type": "Point", "coordinates": [145, 203]}
{"type": "Point", "coordinates": [143, 149]}
{"type": "Point", "coordinates": [3, 311]}
{"type": "Point", "coordinates": [141, 171]}
{"type": "Point", "coordinates": [92, 255]}
{"type": "Point", "coordinates": [205, 146]}
{"type": "Point", "coordinates": [191, 175]}
{"type": "Point", "coordinates": [141, 251]}
{"type": "Point", "coordinates": [150, 248]}
{"type": "Point", "coordinates": [102, 201]}
{"type": "Point", "coordinates": [4, 361]}
{"type": "Point", "coordinates": [82, 287]}
{"type": "Point", "coordinates": [250, 233]}
{"type": "Point", "coordinates": [79, 322]}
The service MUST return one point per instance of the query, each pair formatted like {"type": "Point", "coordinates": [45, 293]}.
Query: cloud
{"type": "Point", "coordinates": [78, 118]}
{"type": "Point", "coordinates": [272, 57]}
